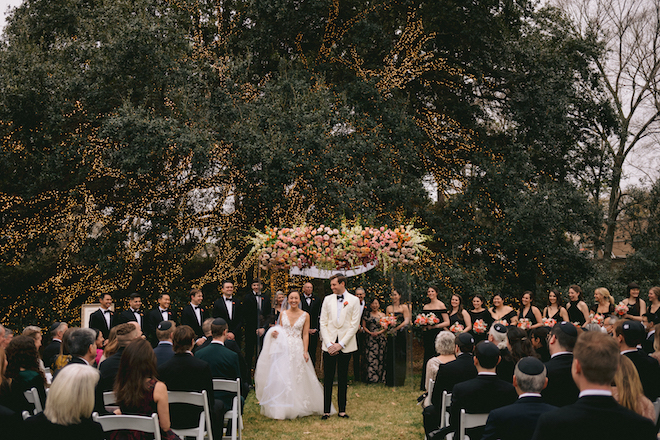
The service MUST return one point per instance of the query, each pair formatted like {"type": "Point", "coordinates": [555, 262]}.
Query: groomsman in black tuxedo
{"type": "Point", "coordinates": [133, 314]}
{"type": "Point", "coordinates": [561, 389]}
{"type": "Point", "coordinates": [596, 360]}
{"type": "Point", "coordinates": [103, 319]}
{"type": "Point", "coordinates": [311, 305]}
{"type": "Point", "coordinates": [360, 337]}
{"type": "Point", "coordinates": [156, 316]}
{"type": "Point", "coordinates": [255, 308]}
{"type": "Point", "coordinates": [629, 335]}
{"type": "Point", "coordinates": [194, 314]}
{"type": "Point", "coordinates": [229, 309]}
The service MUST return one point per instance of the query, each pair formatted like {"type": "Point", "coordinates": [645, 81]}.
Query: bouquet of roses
{"type": "Point", "coordinates": [525, 323]}
{"type": "Point", "coordinates": [480, 326]}
{"type": "Point", "coordinates": [456, 328]}
{"type": "Point", "coordinates": [621, 309]}
{"type": "Point", "coordinates": [597, 319]}
{"type": "Point", "coordinates": [426, 319]}
{"type": "Point", "coordinates": [502, 321]}
{"type": "Point", "coordinates": [387, 321]}
{"type": "Point", "coordinates": [549, 322]}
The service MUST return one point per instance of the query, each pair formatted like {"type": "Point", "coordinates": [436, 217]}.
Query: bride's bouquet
{"type": "Point", "coordinates": [423, 320]}
{"type": "Point", "coordinates": [456, 328]}
{"type": "Point", "coordinates": [524, 323]}
{"type": "Point", "coordinates": [621, 309]}
{"type": "Point", "coordinates": [480, 326]}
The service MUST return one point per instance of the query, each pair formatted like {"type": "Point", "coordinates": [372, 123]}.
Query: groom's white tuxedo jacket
{"type": "Point", "coordinates": [344, 328]}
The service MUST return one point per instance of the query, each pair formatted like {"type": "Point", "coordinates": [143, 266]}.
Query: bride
{"type": "Point", "coordinates": [284, 380]}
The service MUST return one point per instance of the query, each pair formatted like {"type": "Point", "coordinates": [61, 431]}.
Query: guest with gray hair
{"type": "Point", "coordinates": [82, 346]}
{"type": "Point", "coordinates": [445, 346]}
{"type": "Point", "coordinates": [518, 420]}
{"type": "Point", "coordinates": [52, 350]}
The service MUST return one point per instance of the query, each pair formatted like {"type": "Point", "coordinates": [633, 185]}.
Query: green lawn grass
{"type": "Point", "coordinates": [376, 411]}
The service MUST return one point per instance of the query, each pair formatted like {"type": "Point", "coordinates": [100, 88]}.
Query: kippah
{"type": "Point", "coordinates": [531, 366]}
{"type": "Point", "coordinates": [568, 328]}
{"type": "Point", "coordinates": [465, 339]}
{"type": "Point", "coordinates": [54, 326]}
{"type": "Point", "coordinates": [487, 348]}
{"type": "Point", "coordinates": [165, 325]}
{"type": "Point", "coordinates": [499, 328]}
{"type": "Point", "coordinates": [219, 321]}
{"type": "Point", "coordinates": [632, 327]}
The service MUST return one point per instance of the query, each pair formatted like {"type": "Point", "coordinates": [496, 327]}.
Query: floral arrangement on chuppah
{"type": "Point", "coordinates": [346, 247]}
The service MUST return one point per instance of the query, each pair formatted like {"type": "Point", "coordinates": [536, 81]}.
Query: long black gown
{"type": "Point", "coordinates": [395, 355]}
{"type": "Point", "coordinates": [487, 318]}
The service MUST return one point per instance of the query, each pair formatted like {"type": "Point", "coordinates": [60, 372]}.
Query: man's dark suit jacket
{"type": "Point", "coordinates": [184, 372]}
{"type": "Point", "coordinates": [594, 417]}
{"type": "Point", "coordinates": [51, 352]}
{"type": "Point", "coordinates": [163, 352]}
{"type": "Point", "coordinates": [480, 395]}
{"type": "Point", "coordinates": [128, 316]}
{"type": "Point", "coordinates": [108, 370]}
{"type": "Point", "coordinates": [561, 389]}
{"type": "Point", "coordinates": [236, 322]}
{"type": "Point", "coordinates": [188, 317]}
{"type": "Point", "coordinates": [516, 421]}
{"type": "Point", "coordinates": [251, 316]}
{"type": "Point", "coordinates": [506, 366]}
{"type": "Point", "coordinates": [647, 344]}
{"type": "Point", "coordinates": [97, 321]}
{"type": "Point", "coordinates": [151, 321]}
{"type": "Point", "coordinates": [649, 372]}
{"type": "Point", "coordinates": [450, 374]}
{"type": "Point", "coordinates": [224, 365]}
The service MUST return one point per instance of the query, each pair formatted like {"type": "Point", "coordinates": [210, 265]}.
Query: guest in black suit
{"type": "Point", "coordinates": [594, 366]}
{"type": "Point", "coordinates": [103, 319]}
{"type": "Point", "coordinates": [561, 389]}
{"type": "Point", "coordinates": [630, 334]}
{"type": "Point", "coordinates": [52, 350]}
{"type": "Point", "coordinates": [164, 350]}
{"type": "Point", "coordinates": [255, 308]}
{"type": "Point", "coordinates": [358, 355]}
{"type": "Point", "coordinates": [82, 346]}
{"type": "Point", "coordinates": [229, 309]}
{"type": "Point", "coordinates": [184, 372]}
{"type": "Point", "coordinates": [156, 316]}
{"type": "Point", "coordinates": [193, 315]}
{"type": "Point", "coordinates": [482, 394]}
{"type": "Point", "coordinates": [518, 420]}
{"type": "Point", "coordinates": [647, 343]}
{"type": "Point", "coordinates": [312, 305]}
{"type": "Point", "coordinates": [133, 314]}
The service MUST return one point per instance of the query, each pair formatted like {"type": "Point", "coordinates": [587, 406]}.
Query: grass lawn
{"type": "Point", "coordinates": [376, 411]}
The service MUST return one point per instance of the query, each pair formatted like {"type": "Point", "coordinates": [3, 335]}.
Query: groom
{"type": "Point", "coordinates": [340, 319]}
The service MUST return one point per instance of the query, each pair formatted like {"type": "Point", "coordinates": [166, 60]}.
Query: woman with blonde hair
{"type": "Point", "coordinates": [69, 407]}
{"type": "Point", "coordinates": [628, 389]}
{"type": "Point", "coordinates": [604, 302]}
{"type": "Point", "coordinates": [653, 310]}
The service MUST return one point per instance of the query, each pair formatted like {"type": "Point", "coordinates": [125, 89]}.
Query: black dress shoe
{"type": "Point", "coordinates": [344, 416]}
{"type": "Point", "coordinates": [325, 416]}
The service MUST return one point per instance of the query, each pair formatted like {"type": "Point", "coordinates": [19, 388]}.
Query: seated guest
{"type": "Point", "coordinates": [52, 350]}
{"type": "Point", "coordinates": [68, 411]}
{"type": "Point", "coordinates": [111, 345]}
{"type": "Point", "coordinates": [24, 373]}
{"type": "Point", "coordinates": [656, 343]}
{"type": "Point", "coordinates": [561, 389]}
{"type": "Point", "coordinates": [184, 372]}
{"type": "Point", "coordinates": [498, 336]}
{"type": "Point", "coordinates": [126, 333]}
{"type": "Point", "coordinates": [163, 350]}
{"type": "Point", "coordinates": [63, 358]}
{"type": "Point", "coordinates": [610, 324]}
{"type": "Point", "coordinates": [482, 394]}
{"type": "Point", "coordinates": [445, 346]}
{"type": "Point", "coordinates": [518, 420]}
{"type": "Point", "coordinates": [138, 392]}
{"type": "Point", "coordinates": [595, 364]}
{"type": "Point", "coordinates": [539, 338]}
{"type": "Point", "coordinates": [100, 342]}
{"type": "Point", "coordinates": [10, 421]}
{"type": "Point", "coordinates": [630, 334]}
{"type": "Point", "coordinates": [82, 345]}
{"type": "Point", "coordinates": [208, 337]}
{"type": "Point", "coordinates": [34, 332]}
{"type": "Point", "coordinates": [628, 391]}
{"type": "Point", "coordinates": [647, 343]}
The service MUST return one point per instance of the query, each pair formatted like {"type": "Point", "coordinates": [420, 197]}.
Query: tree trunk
{"type": "Point", "coordinates": [613, 205]}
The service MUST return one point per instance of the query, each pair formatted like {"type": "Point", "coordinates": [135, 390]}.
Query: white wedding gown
{"type": "Point", "coordinates": [286, 386]}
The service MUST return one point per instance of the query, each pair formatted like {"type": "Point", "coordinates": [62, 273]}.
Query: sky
{"type": "Point", "coordinates": [640, 168]}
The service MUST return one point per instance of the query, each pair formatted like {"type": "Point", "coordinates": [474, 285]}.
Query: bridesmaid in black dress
{"type": "Point", "coordinates": [429, 332]}
{"type": "Point", "coordinates": [577, 309]}
{"type": "Point", "coordinates": [459, 314]}
{"type": "Point", "coordinates": [500, 312]}
{"type": "Point", "coordinates": [479, 312]}
{"type": "Point", "coordinates": [396, 351]}
{"type": "Point", "coordinates": [653, 311]}
{"type": "Point", "coordinates": [529, 310]}
{"type": "Point", "coordinates": [555, 308]}
{"type": "Point", "coordinates": [636, 305]}
{"type": "Point", "coordinates": [604, 302]}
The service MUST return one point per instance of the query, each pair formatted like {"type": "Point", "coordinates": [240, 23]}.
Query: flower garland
{"type": "Point", "coordinates": [346, 247]}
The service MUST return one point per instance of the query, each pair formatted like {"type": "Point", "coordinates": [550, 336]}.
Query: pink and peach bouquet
{"type": "Point", "coordinates": [387, 321]}
{"type": "Point", "coordinates": [501, 321]}
{"type": "Point", "coordinates": [480, 326]}
{"type": "Point", "coordinates": [549, 322]}
{"type": "Point", "coordinates": [426, 319]}
{"type": "Point", "coordinates": [524, 323]}
{"type": "Point", "coordinates": [345, 247]}
{"type": "Point", "coordinates": [597, 319]}
{"type": "Point", "coordinates": [621, 309]}
{"type": "Point", "coordinates": [457, 328]}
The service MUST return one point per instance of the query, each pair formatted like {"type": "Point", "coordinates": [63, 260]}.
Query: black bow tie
{"type": "Point", "coordinates": [106, 311]}
{"type": "Point", "coordinates": [257, 295]}
{"type": "Point", "coordinates": [340, 297]}
{"type": "Point", "coordinates": [196, 307]}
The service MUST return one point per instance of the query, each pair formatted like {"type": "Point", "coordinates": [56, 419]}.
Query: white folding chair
{"type": "Point", "coordinates": [656, 406]}
{"type": "Point", "coordinates": [234, 414]}
{"type": "Point", "coordinates": [25, 415]}
{"type": "Point", "coordinates": [197, 399]}
{"type": "Point", "coordinates": [444, 409]}
{"type": "Point", "coordinates": [427, 400]}
{"type": "Point", "coordinates": [109, 398]}
{"type": "Point", "coordinates": [135, 423]}
{"type": "Point", "coordinates": [470, 421]}
{"type": "Point", "coordinates": [32, 396]}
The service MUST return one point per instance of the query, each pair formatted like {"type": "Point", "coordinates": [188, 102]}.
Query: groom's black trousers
{"type": "Point", "coordinates": [338, 363]}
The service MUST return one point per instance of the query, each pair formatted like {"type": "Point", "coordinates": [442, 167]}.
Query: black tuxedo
{"type": "Point", "coordinates": [188, 317]}
{"type": "Point", "coordinates": [649, 372]}
{"type": "Point", "coordinates": [561, 389]}
{"type": "Point", "coordinates": [152, 319]}
{"type": "Point", "coordinates": [51, 351]}
{"type": "Point", "coordinates": [253, 319]}
{"type": "Point", "coordinates": [97, 321]}
{"type": "Point", "coordinates": [129, 316]}
{"type": "Point", "coordinates": [477, 396]}
{"type": "Point", "coordinates": [647, 344]}
{"type": "Point", "coordinates": [594, 417]}
{"type": "Point", "coordinates": [516, 421]}
{"type": "Point", "coordinates": [314, 310]}
{"type": "Point", "coordinates": [236, 322]}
